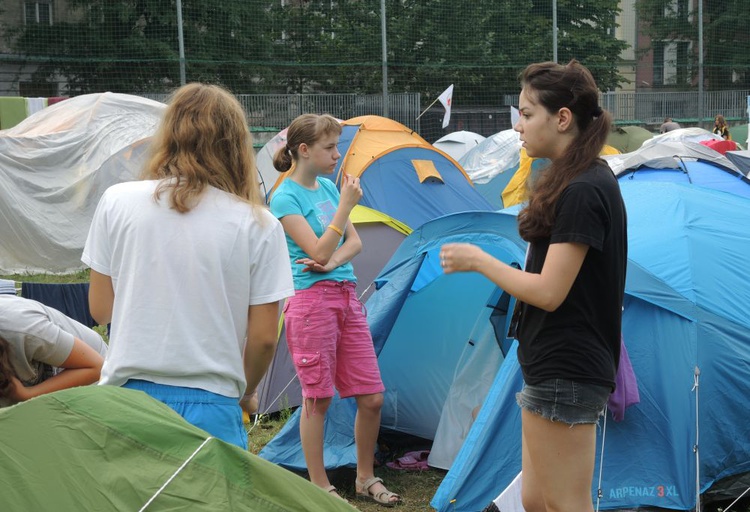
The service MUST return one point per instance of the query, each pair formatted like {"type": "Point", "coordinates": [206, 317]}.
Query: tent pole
{"type": "Point", "coordinates": [696, 383]}
{"type": "Point", "coordinates": [601, 461]}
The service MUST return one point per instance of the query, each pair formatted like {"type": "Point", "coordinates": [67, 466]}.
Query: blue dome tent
{"type": "Point", "coordinates": [687, 329]}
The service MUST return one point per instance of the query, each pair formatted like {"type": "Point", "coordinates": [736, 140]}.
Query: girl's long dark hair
{"type": "Point", "coordinates": [6, 370]}
{"type": "Point", "coordinates": [557, 86]}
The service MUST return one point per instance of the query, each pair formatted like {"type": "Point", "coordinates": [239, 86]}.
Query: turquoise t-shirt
{"type": "Point", "coordinates": [317, 207]}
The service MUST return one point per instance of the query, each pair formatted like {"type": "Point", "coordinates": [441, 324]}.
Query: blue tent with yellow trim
{"type": "Point", "coordinates": [401, 174]}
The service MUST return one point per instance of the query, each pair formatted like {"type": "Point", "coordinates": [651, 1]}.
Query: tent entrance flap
{"type": "Point", "coordinates": [426, 170]}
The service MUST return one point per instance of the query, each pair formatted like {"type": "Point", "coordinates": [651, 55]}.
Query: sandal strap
{"type": "Point", "coordinates": [386, 495]}
{"type": "Point", "coordinates": [365, 486]}
{"type": "Point", "coordinates": [330, 488]}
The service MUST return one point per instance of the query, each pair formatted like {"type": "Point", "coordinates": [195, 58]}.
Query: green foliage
{"type": "Point", "coordinates": [725, 38]}
{"type": "Point", "coordinates": [262, 46]}
{"type": "Point", "coordinates": [133, 46]}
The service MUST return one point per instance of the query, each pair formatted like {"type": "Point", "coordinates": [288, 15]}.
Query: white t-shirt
{"type": "Point", "coordinates": [39, 335]}
{"type": "Point", "coordinates": [183, 283]}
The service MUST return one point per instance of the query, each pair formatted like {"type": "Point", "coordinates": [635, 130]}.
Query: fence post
{"type": "Point", "coordinates": [180, 42]}
{"type": "Point", "coordinates": [700, 63]}
{"type": "Point", "coordinates": [384, 37]}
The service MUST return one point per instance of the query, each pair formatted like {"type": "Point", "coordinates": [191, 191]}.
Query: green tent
{"type": "Point", "coordinates": [106, 448]}
{"type": "Point", "coordinates": [628, 138]}
{"type": "Point", "coordinates": [739, 134]}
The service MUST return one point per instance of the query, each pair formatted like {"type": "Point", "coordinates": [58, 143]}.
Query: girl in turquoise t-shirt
{"type": "Point", "coordinates": [326, 328]}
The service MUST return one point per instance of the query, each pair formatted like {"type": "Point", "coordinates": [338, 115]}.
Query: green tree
{"type": "Point", "coordinates": [479, 46]}
{"type": "Point", "coordinates": [725, 37]}
{"type": "Point", "coordinates": [329, 46]}
{"type": "Point", "coordinates": [586, 31]}
{"type": "Point", "coordinates": [132, 46]}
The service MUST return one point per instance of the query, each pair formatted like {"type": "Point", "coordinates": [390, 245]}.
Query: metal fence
{"type": "Point", "coordinates": [651, 108]}
{"type": "Point", "coordinates": [269, 113]}
{"type": "Point", "coordinates": [276, 111]}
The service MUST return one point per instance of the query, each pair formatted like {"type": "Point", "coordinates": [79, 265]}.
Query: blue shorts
{"type": "Point", "coordinates": [220, 416]}
{"type": "Point", "coordinates": [565, 401]}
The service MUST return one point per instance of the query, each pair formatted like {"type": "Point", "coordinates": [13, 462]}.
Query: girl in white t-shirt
{"type": "Point", "coordinates": [187, 263]}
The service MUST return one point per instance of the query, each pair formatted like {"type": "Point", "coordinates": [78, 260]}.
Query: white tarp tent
{"type": "Point", "coordinates": [693, 134]}
{"type": "Point", "coordinates": [667, 155]}
{"type": "Point", "coordinates": [54, 167]}
{"type": "Point", "coordinates": [457, 144]}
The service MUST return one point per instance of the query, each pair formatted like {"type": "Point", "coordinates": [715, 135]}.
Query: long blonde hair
{"type": "Point", "coordinates": [203, 139]}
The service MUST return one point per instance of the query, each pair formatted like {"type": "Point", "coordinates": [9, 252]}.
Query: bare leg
{"type": "Point", "coordinates": [531, 494]}
{"type": "Point", "coordinates": [311, 435]}
{"type": "Point", "coordinates": [366, 428]}
{"type": "Point", "coordinates": [560, 459]}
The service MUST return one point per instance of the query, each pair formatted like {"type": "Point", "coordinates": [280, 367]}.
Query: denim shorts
{"type": "Point", "coordinates": [220, 416]}
{"type": "Point", "coordinates": [565, 401]}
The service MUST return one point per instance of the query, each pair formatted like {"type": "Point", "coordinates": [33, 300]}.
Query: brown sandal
{"type": "Point", "coordinates": [382, 498]}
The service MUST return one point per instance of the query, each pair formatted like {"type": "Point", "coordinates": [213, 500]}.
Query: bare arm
{"type": "Point", "coordinates": [321, 249]}
{"type": "Point", "coordinates": [82, 367]}
{"type": "Point", "coordinates": [101, 297]}
{"type": "Point", "coordinates": [546, 290]}
{"type": "Point", "coordinates": [262, 336]}
{"type": "Point", "coordinates": [345, 253]}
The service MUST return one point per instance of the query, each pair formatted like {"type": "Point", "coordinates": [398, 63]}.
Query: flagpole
{"type": "Point", "coordinates": [428, 108]}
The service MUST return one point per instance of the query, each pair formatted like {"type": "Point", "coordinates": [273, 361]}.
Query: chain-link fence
{"type": "Point", "coordinates": [351, 49]}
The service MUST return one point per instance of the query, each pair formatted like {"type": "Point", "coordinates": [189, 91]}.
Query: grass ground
{"type": "Point", "coordinates": [416, 487]}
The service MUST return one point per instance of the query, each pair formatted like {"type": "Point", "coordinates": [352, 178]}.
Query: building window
{"type": "Point", "coordinates": [658, 63]}
{"type": "Point", "coordinates": [37, 12]}
{"type": "Point", "coordinates": [671, 63]}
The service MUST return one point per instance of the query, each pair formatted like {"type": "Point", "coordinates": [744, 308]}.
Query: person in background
{"type": "Point", "coordinates": [721, 127]}
{"type": "Point", "coordinates": [327, 331]}
{"type": "Point", "coordinates": [570, 296]}
{"type": "Point", "coordinates": [42, 350]}
{"type": "Point", "coordinates": [668, 125]}
{"type": "Point", "coordinates": [188, 263]}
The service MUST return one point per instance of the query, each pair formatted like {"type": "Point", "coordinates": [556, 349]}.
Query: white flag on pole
{"type": "Point", "coordinates": [447, 99]}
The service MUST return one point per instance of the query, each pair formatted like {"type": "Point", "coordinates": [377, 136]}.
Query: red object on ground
{"type": "Point", "coordinates": [722, 146]}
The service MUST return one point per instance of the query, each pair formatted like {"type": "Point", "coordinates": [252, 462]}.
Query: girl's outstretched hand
{"type": "Point", "coordinates": [461, 258]}
{"type": "Point", "coordinates": [351, 192]}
